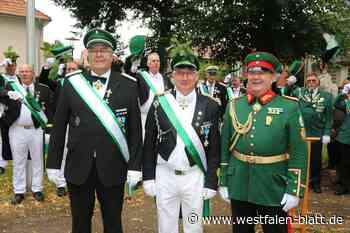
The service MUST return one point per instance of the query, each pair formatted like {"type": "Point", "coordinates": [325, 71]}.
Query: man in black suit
{"type": "Point", "coordinates": [104, 139]}
{"type": "Point", "coordinates": [171, 171]}
{"type": "Point", "coordinates": [10, 64]}
{"type": "Point", "coordinates": [214, 88]}
{"type": "Point", "coordinates": [26, 133]}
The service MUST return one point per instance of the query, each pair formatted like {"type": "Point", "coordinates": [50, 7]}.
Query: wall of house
{"type": "Point", "coordinates": [13, 33]}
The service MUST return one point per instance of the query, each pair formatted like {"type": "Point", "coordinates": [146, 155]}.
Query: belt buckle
{"type": "Point", "coordinates": [27, 127]}
{"type": "Point", "coordinates": [251, 160]}
{"type": "Point", "coordinates": [179, 173]}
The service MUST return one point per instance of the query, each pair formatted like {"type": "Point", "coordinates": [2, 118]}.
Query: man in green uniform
{"type": "Point", "coordinates": [316, 109]}
{"type": "Point", "coordinates": [263, 154]}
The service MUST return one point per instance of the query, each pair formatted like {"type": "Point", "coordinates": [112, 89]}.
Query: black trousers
{"type": "Point", "coordinates": [82, 202]}
{"type": "Point", "coordinates": [343, 167]}
{"type": "Point", "coordinates": [246, 209]}
{"type": "Point", "coordinates": [333, 153]}
{"type": "Point", "coordinates": [316, 162]}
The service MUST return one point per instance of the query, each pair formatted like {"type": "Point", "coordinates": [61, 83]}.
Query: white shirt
{"type": "Point", "coordinates": [236, 92]}
{"type": "Point", "coordinates": [157, 81]}
{"type": "Point", "coordinates": [211, 88]}
{"type": "Point", "coordinates": [178, 159]}
{"type": "Point", "coordinates": [25, 117]}
{"type": "Point", "coordinates": [101, 92]}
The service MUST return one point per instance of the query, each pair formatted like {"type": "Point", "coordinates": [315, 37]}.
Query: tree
{"type": "Point", "coordinates": [228, 28]}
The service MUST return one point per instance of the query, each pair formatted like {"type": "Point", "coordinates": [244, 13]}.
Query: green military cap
{"type": "Point", "coordinates": [264, 60]}
{"type": "Point", "coordinates": [295, 67]}
{"type": "Point", "coordinates": [185, 59]}
{"type": "Point", "coordinates": [60, 51]}
{"type": "Point", "coordinates": [97, 35]}
{"type": "Point", "coordinates": [212, 69]}
{"type": "Point", "coordinates": [137, 44]}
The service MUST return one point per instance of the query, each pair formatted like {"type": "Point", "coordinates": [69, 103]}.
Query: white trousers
{"type": "Point", "coordinates": [60, 181]}
{"type": "Point", "coordinates": [23, 141]}
{"type": "Point", "coordinates": [3, 163]}
{"type": "Point", "coordinates": [175, 190]}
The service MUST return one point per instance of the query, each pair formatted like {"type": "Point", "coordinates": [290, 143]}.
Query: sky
{"type": "Point", "coordinates": [62, 23]}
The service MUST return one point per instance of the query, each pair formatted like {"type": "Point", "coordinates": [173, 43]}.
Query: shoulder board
{"type": "Point", "coordinates": [129, 77]}
{"type": "Point", "coordinates": [222, 84]}
{"type": "Point", "coordinates": [73, 73]}
{"type": "Point", "coordinates": [290, 98]}
{"type": "Point", "coordinates": [43, 85]}
{"type": "Point", "coordinates": [210, 97]}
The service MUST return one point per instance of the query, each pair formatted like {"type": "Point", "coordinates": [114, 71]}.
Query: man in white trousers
{"type": "Point", "coordinates": [180, 162]}
{"type": "Point", "coordinates": [26, 134]}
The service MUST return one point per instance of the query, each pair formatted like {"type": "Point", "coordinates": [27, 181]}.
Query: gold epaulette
{"type": "Point", "coordinates": [290, 98]}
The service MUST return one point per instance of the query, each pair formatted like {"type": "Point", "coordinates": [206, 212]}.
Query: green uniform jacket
{"type": "Point", "coordinates": [343, 133]}
{"type": "Point", "coordinates": [317, 112]}
{"type": "Point", "coordinates": [276, 129]}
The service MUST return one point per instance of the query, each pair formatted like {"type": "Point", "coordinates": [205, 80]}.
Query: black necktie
{"type": "Point", "coordinates": [96, 78]}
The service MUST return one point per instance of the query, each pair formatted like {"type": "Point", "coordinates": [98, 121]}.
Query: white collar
{"type": "Point", "coordinates": [210, 84]}
{"type": "Point", "coordinates": [157, 75]}
{"type": "Point", "coordinates": [190, 97]}
{"type": "Point", "coordinates": [105, 75]}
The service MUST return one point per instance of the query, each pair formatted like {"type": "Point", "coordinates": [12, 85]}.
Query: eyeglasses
{"type": "Point", "coordinates": [185, 73]}
{"type": "Point", "coordinates": [104, 51]}
{"type": "Point", "coordinates": [311, 80]}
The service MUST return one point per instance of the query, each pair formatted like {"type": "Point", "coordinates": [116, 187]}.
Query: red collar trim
{"type": "Point", "coordinates": [264, 99]}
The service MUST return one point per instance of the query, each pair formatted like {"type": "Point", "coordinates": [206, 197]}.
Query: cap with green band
{"type": "Point", "coordinates": [97, 35]}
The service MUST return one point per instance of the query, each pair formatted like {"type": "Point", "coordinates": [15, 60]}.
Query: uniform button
{"type": "Point", "coordinates": [254, 120]}
{"type": "Point", "coordinates": [251, 144]}
{"type": "Point", "coordinates": [252, 136]}
{"type": "Point", "coordinates": [294, 190]}
{"type": "Point", "coordinates": [251, 153]}
{"type": "Point", "coordinates": [253, 128]}
{"type": "Point", "coordinates": [254, 113]}
{"type": "Point", "coordinates": [295, 182]}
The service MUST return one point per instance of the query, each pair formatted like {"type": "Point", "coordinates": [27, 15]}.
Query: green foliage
{"type": "Point", "coordinates": [10, 53]}
{"type": "Point", "coordinates": [231, 29]}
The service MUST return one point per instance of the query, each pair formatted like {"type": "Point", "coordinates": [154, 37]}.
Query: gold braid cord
{"type": "Point", "coordinates": [240, 129]}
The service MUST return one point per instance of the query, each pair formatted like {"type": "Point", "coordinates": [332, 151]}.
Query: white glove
{"type": "Point", "coordinates": [223, 191]}
{"type": "Point", "coordinates": [208, 193]}
{"type": "Point", "coordinates": [61, 69]}
{"type": "Point", "coordinates": [149, 187]}
{"type": "Point", "coordinates": [6, 62]}
{"type": "Point", "coordinates": [53, 175]}
{"type": "Point", "coordinates": [346, 89]}
{"type": "Point", "coordinates": [291, 80]}
{"type": "Point", "coordinates": [14, 95]}
{"type": "Point", "coordinates": [133, 177]}
{"type": "Point", "coordinates": [47, 138]}
{"type": "Point", "coordinates": [326, 139]}
{"type": "Point", "coordinates": [289, 201]}
{"type": "Point", "coordinates": [50, 61]}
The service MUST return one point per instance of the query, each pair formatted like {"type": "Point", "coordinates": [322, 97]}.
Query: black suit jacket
{"type": "Point", "coordinates": [206, 114]}
{"type": "Point", "coordinates": [87, 135]}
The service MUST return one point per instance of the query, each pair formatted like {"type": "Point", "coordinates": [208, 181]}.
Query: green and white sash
{"type": "Point", "coordinates": [30, 103]}
{"type": "Point", "coordinates": [203, 89]}
{"type": "Point", "coordinates": [184, 128]}
{"type": "Point", "coordinates": [229, 93]}
{"type": "Point", "coordinates": [102, 111]}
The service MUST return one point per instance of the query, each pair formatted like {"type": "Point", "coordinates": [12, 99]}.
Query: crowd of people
{"type": "Point", "coordinates": [109, 126]}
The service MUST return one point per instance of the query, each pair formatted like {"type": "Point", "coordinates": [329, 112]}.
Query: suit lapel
{"type": "Point", "coordinates": [113, 83]}
{"type": "Point", "coordinates": [198, 116]}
